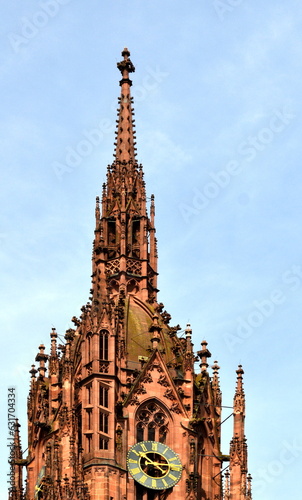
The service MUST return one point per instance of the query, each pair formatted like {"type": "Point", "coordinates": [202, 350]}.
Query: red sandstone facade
{"type": "Point", "coordinates": [124, 375]}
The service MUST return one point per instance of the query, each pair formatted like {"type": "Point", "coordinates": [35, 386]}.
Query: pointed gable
{"type": "Point", "coordinates": [155, 382]}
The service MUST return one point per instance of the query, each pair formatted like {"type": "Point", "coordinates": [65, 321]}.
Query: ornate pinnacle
{"type": "Point", "coordinates": [249, 486]}
{"type": "Point", "coordinates": [42, 358]}
{"type": "Point", "coordinates": [226, 495]}
{"type": "Point", "coordinates": [97, 209]}
{"type": "Point", "coordinates": [125, 150]}
{"type": "Point", "coordinates": [239, 398]}
{"type": "Point", "coordinates": [204, 354]}
{"type": "Point", "coordinates": [33, 371]}
{"type": "Point", "coordinates": [188, 333]}
{"type": "Point", "coordinates": [155, 328]}
{"type": "Point", "coordinates": [17, 443]}
{"type": "Point", "coordinates": [53, 336]}
{"type": "Point", "coordinates": [215, 369]}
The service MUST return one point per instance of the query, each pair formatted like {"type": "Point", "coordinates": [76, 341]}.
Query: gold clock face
{"type": "Point", "coordinates": [154, 465]}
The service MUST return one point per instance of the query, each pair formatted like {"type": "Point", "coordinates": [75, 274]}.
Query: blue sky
{"type": "Point", "coordinates": [218, 115]}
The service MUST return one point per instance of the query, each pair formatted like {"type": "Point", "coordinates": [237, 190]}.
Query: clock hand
{"type": "Point", "coordinates": [159, 466]}
{"type": "Point", "coordinates": [171, 466]}
{"type": "Point", "coordinates": [150, 462]}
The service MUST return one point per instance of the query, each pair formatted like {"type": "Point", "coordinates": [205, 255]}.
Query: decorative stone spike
{"type": "Point", "coordinates": [42, 358]}
{"type": "Point", "coordinates": [204, 354]}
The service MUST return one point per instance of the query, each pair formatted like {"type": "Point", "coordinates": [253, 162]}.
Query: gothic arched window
{"type": "Point", "coordinates": [151, 422]}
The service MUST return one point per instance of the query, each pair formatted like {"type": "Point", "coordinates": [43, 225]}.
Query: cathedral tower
{"type": "Point", "coordinates": [118, 412]}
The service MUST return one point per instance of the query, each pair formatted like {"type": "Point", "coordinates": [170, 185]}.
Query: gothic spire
{"type": "Point", "coordinates": [124, 253]}
{"type": "Point", "coordinates": [16, 463]}
{"type": "Point", "coordinates": [216, 387]}
{"type": "Point", "coordinates": [239, 398]}
{"type": "Point", "coordinates": [239, 482]}
{"type": "Point", "coordinates": [17, 442]}
{"type": "Point", "coordinates": [125, 144]}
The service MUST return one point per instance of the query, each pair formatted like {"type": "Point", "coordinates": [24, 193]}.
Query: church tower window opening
{"type": "Point", "coordinates": [89, 347]}
{"type": "Point", "coordinates": [79, 427]}
{"type": "Point", "coordinates": [103, 422]}
{"type": "Point", "coordinates": [89, 418]}
{"type": "Point", "coordinates": [88, 388]}
{"type": "Point", "coordinates": [104, 345]}
{"type": "Point", "coordinates": [111, 232]}
{"type": "Point", "coordinates": [135, 231]}
{"type": "Point", "coordinates": [103, 396]}
{"type": "Point", "coordinates": [103, 430]}
{"type": "Point", "coordinates": [152, 422]}
{"type": "Point", "coordinates": [89, 442]}
{"type": "Point", "coordinates": [103, 443]}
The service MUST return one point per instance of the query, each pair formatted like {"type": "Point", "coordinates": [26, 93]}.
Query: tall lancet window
{"type": "Point", "coordinates": [104, 416]}
{"type": "Point", "coordinates": [135, 238]}
{"type": "Point", "coordinates": [111, 232]}
{"type": "Point", "coordinates": [135, 231]}
{"type": "Point", "coordinates": [89, 351]}
{"type": "Point", "coordinates": [103, 351]}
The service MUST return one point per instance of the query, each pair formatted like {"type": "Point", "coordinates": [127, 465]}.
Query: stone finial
{"type": "Point", "coordinates": [155, 328]}
{"type": "Point", "coordinates": [240, 374]}
{"type": "Point", "coordinates": [249, 486]}
{"type": "Point", "coordinates": [188, 333]}
{"type": "Point", "coordinates": [226, 495]}
{"type": "Point", "coordinates": [239, 398]}
{"type": "Point", "coordinates": [33, 371]}
{"type": "Point", "coordinates": [42, 358]}
{"type": "Point", "coordinates": [53, 336]}
{"type": "Point", "coordinates": [215, 369]}
{"type": "Point", "coordinates": [204, 354]}
{"type": "Point", "coordinates": [152, 210]}
{"type": "Point", "coordinates": [97, 209]}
